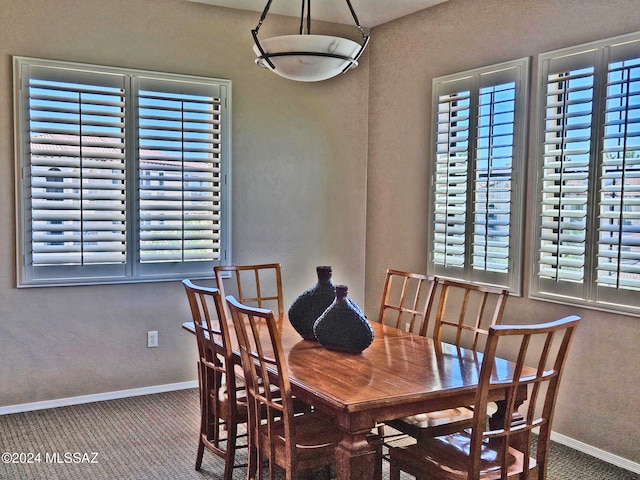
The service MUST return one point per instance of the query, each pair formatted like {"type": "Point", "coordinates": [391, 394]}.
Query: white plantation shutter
{"type": "Point", "coordinates": [493, 175]}
{"type": "Point", "coordinates": [478, 160]}
{"type": "Point", "coordinates": [77, 169]}
{"type": "Point", "coordinates": [588, 233]}
{"type": "Point", "coordinates": [451, 177]}
{"type": "Point", "coordinates": [122, 174]}
{"type": "Point", "coordinates": [618, 262]}
{"type": "Point", "coordinates": [180, 173]}
{"type": "Point", "coordinates": [567, 147]}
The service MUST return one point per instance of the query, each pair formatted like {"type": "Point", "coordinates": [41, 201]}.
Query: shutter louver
{"type": "Point", "coordinates": [493, 182]}
{"type": "Point", "coordinates": [618, 256]}
{"type": "Point", "coordinates": [565, 176]}
{"type": "Point", "coordinates": [77, 170]}
{"type": "Point", "coordinates": [452, 164]}
{"type": "Point", "coordinates": [180, 179]}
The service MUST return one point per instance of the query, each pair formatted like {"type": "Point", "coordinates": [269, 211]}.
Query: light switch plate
{"type": "Point", "coordinates": [152, 338]}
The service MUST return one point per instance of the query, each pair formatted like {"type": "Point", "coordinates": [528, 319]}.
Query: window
{"type": "Point", "coordinates": [477, 175]}
{"type": "Point", "coordinates": [123, 175]}
{"type": "Point", "coordinates": [587, 245]}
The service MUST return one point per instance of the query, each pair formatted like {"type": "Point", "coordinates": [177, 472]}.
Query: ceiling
{"type": "Point", "coordinates": [371, 13]}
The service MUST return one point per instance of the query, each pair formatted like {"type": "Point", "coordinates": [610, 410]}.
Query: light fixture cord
{"type": "Point", "coordinates": [355, 19]}
{"type": "Point", "coordinates": [268, 5]}
{"type": "Point", "coordinates": [308, 3]}
{"type": "Point", "coordinates": [264, 15]}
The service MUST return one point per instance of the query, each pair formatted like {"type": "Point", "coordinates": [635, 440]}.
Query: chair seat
{"type": "Point", "coordinates": [447, 458]}
{"type": "Point", "coordinates": [316, 439]}
{"type": "Point", "coordinates": [241, 405]}
{"type": "Point", "coordinates": [434, 424]}
{"type": "Point", "coordinates": [224, 405]}
{"type": "Point", "coordinates": [441, 417]}
{"type": "Point", "coordinates": [438, 423]}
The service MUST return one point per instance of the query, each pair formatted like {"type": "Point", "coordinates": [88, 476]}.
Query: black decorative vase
{"type": "Point", "coordinates": [343, 326]}
{"type": "Point", "coordinates": [310, 304]}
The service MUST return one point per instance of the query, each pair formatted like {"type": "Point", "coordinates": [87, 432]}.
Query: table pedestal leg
{"type": "Point", "coordinates": [359, 457]}
{"type": "Point", "coordinates": [497, 422]}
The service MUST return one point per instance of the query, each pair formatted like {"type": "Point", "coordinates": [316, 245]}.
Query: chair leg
{"type": "Point", "coordinates": [394, 470]}
{"type": "Point", "coordinates": [232, 434]}
{"type": "Point", "coordinates": [203, 414]}
{"type": "Point", "coordinates": [199, 454]}
{"type": "Point", "coordinates": [253, 463]}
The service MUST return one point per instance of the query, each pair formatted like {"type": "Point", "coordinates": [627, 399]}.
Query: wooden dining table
{"type": "Point", "coordinates": [399, 374]}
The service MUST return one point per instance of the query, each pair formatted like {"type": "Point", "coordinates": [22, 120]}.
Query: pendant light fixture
{"type": "Point", "coordinates": [305, 57]}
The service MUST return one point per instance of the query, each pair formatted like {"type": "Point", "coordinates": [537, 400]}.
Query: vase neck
{"type": "Point", "coordinates": [324, 275]}
{"type": "Point", "coordinates": [341, 293]}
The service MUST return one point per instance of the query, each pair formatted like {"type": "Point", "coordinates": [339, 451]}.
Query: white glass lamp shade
{"type": "Point", "coordinates": [292, 56]}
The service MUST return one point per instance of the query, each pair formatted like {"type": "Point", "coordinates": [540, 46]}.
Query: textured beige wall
{"type": "Point", "coordinates": [299, 187]}
{"type": "Point", "coordinates": [599, 402]}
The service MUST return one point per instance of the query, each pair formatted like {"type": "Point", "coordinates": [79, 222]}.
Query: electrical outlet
{"type": "Point", "coordinates": [152, 338]}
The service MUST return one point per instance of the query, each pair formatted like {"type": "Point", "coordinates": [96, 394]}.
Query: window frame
{"type": "Point", "coordinates": [584, 293]}
{"type": "Point", "coordinates": [518, 71]}
{"type": "Point", "coordinates": [130, 270]}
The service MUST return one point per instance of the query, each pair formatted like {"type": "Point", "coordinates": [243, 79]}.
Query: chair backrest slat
{"type": "Point", "coordinates": [256, 285]}
{"type": "Point", "coordinates": [209, 320]}
{"type": "Point", "coordinates": [410, 297]}
{"type": "Point", "coordinates": [478, 308]}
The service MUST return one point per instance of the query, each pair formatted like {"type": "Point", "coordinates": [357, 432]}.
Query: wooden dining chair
{"type": "Point", "coordinates": [254, 285]}
{"type": "Point", "coordinates": [292, 442]}
{"type": "Point", "coordinates": [223, 403]}
{"type": "Point", "coordinates": [475, 309]}
{"type": "Point", "coordinates": [406, 304]}
{"type": "Point", "coordinates": [407, 299]}
{"type": "Point", "coordinates": [488, 452]}
{"type": "Point", "coordinates": [463, 317]}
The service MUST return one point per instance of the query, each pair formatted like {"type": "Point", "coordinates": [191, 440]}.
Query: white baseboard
{"type": "Point", "coordinates": [596, 452]}
{"type": "Point", "coordinates": [98, 397]}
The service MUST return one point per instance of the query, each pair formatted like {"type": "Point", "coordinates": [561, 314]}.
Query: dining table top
{"type": "Point", "coordinates": [398, 368]}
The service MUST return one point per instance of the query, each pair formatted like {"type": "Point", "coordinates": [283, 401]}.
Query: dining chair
{"type": "Point", "coordinates": [464, 314]}
{"type": "Point", "coordinates": [407, 299]}
{"type": "Point", "coordinates": [488, 452]}
{"type": "Point", "coordinates": [475, 309]}
{"type": "Point", "coordinates": [255, 285]}
{"type": "Point", "coordinates": [223, 403]}
{"type": "Point", "coordinates": [292, 442]}
{"type": "Point", "coordinates": [406, 304]}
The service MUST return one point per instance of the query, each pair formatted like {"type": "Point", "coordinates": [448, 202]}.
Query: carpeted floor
{"type": "Point", "coordinates": [155, 437]}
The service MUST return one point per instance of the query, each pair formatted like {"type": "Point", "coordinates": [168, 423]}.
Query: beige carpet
{"type": "Point", "coordinates": [155, 437]}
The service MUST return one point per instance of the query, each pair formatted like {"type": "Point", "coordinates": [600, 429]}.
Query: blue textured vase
{"type": "Point", "coordinates": [343, 326]}
{"type": "Point", "coordinates": [311, 303]}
